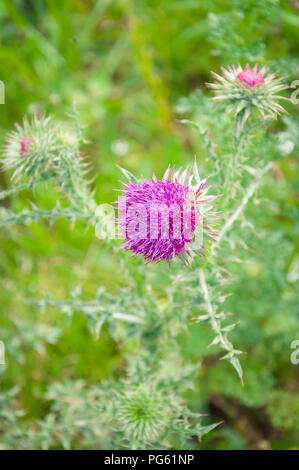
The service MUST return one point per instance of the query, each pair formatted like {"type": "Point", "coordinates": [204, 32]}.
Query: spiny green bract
{"type": "Point", "coordinates": [35, 260]}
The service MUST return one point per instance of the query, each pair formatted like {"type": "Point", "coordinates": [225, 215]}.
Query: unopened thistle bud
{"type": "Point", "coordinates": [249, 91]}
{"type": "Point", "coordinates": [251, 78]}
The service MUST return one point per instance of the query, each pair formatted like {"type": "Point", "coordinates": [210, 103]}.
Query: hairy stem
{"type": "Point", "coordinates": [248, 194]}
{"type": "Point", "coordinates": [233, 163]}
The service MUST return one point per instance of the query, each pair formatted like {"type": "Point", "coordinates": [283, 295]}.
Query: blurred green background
{"type": "Point", "coordinates": [127, 64]}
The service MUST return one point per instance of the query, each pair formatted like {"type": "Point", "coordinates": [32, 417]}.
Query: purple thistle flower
{"type": "Point", "coordinates": [159, 218]}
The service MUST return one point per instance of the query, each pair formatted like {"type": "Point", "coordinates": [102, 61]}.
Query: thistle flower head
{"type": "Point", "coordinates": [37, 149]}
{"type": "Point", "coordinates": [249, 90]}
{"type": "Point", "coordinates": [163, 219]}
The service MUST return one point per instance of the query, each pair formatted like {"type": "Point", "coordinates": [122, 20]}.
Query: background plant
{"type": "Point", "coordinates": [128, 64]}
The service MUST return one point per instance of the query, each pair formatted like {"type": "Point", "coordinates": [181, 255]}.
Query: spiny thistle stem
{"type": "Point", "coordinates": [216, 326]}
{"type": "Point", "coordinates": [240, 144]}
{"type": "Point", "coordinates": [214, 318]}
{"type": "Point", "coordinates": [17, 189]}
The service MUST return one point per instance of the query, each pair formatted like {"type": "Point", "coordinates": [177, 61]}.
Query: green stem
{"type": "Point", "coordinates": [17, 189]}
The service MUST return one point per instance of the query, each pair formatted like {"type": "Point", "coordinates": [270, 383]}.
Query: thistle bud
{"type": "Point", "coordinates": [25, 144]}
{"type": "Point", "coordinates": [141, 413]}
{"type": "Point", "coordinates": [249, 91]}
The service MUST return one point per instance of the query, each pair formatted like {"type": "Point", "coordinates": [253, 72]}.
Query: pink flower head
{"type": "Point", "coordinates": [159, 218]}
{"type": "Point", "coordinates": [25, 144]}
{"type": "Point", "coordinates": [250, 77]}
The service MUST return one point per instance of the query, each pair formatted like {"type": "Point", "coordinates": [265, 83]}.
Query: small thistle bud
{"type": "Point", "coordinates": [249, 90]}
{"type": "Point", "coordinates": [162, 220]}
{"type": "Point", "coordinates": [39, 150]}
